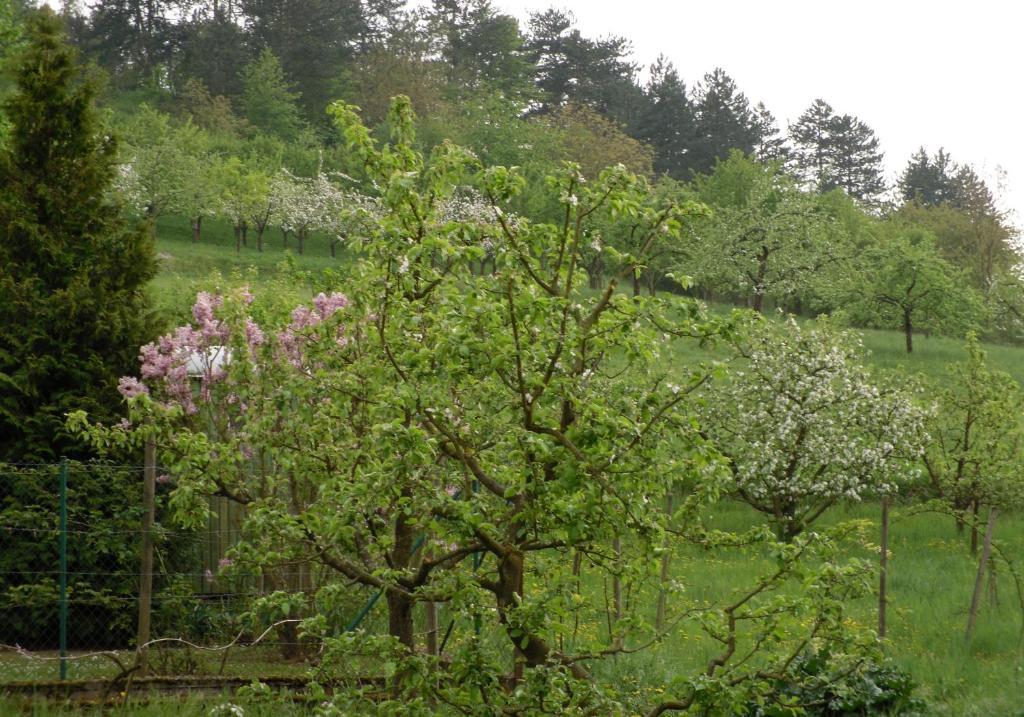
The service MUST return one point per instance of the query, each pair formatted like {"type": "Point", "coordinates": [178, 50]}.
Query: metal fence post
{"type": "Point", "coordinates": [63, 549]}
{"type": "Point", "coordinates": [146, 571]}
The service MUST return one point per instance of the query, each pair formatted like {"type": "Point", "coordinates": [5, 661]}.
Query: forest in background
{"type": "Point", "coordinates": [221, 109]}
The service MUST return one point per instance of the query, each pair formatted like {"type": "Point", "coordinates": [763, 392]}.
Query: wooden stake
{"type": "Point", "coordinates": [986, 551]}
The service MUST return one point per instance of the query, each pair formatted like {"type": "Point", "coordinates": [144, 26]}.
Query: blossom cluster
{"type": "Point", "coordinates": [803, 421]}
{"type": "Point", "coordinates": [200, 353]}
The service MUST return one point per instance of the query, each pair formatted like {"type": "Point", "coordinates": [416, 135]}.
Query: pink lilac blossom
{"type": "Point", "coordinates": [295, 335]}
{"type": "Point", "coordinates": [254, 336]}
{"type": "Point", "coordinates": [130, 387]}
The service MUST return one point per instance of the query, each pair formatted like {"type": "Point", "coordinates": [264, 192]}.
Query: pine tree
{"type": "Point", "coordinates": [771, 144]}
{"type": "Point", "coordinates": [481, 47]}
{"type": "Point", "coordinates": [268, 101]}
{"type": "Point", "coordinates": [313, 40]}
{"type": "Point", "coordinates": [811, 136]}
{"type": "Point", "coordinates": [725, 122]}
{"type": "Point", "coordinates": [73, 307]}
{"type": "Point", "coordinates": [573, 69]}
{"type": "Point", "coordinates": [837, 151]}
{"type": "Point", "coordinates": [666, 122]}
{"type": "Point", "coordinates": [930, 181]}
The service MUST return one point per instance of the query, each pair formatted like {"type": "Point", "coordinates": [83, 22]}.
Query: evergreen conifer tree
{"type": "Point", "coordinates": [73, 307]}
{"type": "Point", "coordinates": [725, 121]}
{"type": "Point", "coordinates": [837, 151]}
{"type": "Point", "coordinates": [928, 180]}
{"type": "Point", "coordinates": [666, 121]}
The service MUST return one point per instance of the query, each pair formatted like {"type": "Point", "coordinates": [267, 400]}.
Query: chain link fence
{"type": "Point", "coordinates": [72, 582]}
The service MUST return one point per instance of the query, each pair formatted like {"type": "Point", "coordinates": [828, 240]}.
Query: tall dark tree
{"type": "Point", "coordinates": [135, 39]}
{"type": "Point", "coordinates": [928, 180]}
{"type": "Point", "coordinates": [313, 39]}
{"type": "Point", "coordinates": [213, 48]}
{"type": "Point", "coordinates": [838, 151]}
{"type": "Point", "coordinates": [666, 121]}
{"type": "Point", "coordinates": [725, 121]}
{"type": "Point", "coordinates": [575, 69]}
{"type": "Point", "coordinates": [771, 143]}
{"type": "Point", "coordinates": [481, 47]}
{"type": "Point", "coordinates": [73, 273]}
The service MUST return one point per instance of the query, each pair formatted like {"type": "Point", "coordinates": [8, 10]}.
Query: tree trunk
{"type": "Point", "coordinates": [908, 331]}
{"type": "Point", "coordinates": [993, 583]}
{"type": "Point", "coordinates": [400, 607]}
{"type": "Point", "coordinates": [285, 234]}
{"type": "Point", "coordinates": [238, 238]}
{"type": "Point", "coordinates": [197, 226]}
{"type": "Point", "coordinates": [260, 228]}
{"type": "Point", "coordinates": [986, 551]}
{"type": "Point", "coordinates": [758, 304]}
{"type": "Point", "coordinates": [400, 619]}
{"type": "Point", "coordinates": [762, 272]}
{"type": "Point", "coordinates": [636, 281]}
{"type": "Point", "coordinates": [301, 237]}
{"type": "Point", "coordinates": [245, 234]}
{"type": "Point", "coordinates": [530, 650]}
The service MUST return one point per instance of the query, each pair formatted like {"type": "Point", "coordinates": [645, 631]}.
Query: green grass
{"type": "Point", "coordinates": [187, 266]}
{"type": "Point", "coordinates": [931, 578]}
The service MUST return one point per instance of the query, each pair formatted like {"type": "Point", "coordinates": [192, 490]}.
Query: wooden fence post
{"type": "Point", "coordinates": [986, 551]}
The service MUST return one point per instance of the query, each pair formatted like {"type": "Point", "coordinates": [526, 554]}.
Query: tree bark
{"type": "Point", "coordinates": [908, 330]}
{"type": "Point", "coordinates": [400, 607]}
{"type": "Point", "coordinates": [197, 226]}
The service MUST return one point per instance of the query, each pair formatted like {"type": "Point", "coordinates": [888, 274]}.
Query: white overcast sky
{"type": "Point", "coordinates": [941, 73]}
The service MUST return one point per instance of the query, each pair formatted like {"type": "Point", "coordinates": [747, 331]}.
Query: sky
{"type": "Point", "coordinates": [938, 73]}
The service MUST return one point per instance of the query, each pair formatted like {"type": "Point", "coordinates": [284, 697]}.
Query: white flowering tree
{"type": "Point", "coordinates": [347, 214]}
{"type": "Point", "coordinates": [805, 426]}
{"type": "Point", "coordinates": [300, 204]}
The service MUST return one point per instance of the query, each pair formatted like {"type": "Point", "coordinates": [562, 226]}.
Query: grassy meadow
{"type": "Point", "coordinates": [931, 570]}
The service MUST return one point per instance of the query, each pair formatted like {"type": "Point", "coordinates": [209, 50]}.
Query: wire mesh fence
{"type": "Point", "coordinates": [73, 576]}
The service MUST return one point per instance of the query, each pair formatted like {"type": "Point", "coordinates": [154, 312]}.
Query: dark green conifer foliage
{"type": "Point", "coordinates": [73, 308]}
{"type": "Point", "coordinates": [667, 121]}
{"type": "Point", "coordinates": [928, 180]}
{"type": "Point", "coordinates": [725, 121]}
